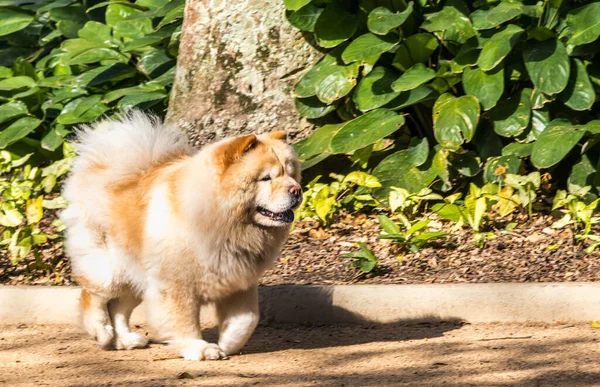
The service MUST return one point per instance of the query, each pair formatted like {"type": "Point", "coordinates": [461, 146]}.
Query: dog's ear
{"type": "Point", "coordinates": [233, 150]}
{"type": "Point", "coordinates": [279, 135]}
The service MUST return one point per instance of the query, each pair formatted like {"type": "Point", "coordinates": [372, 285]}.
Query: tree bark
{"type": "Point", "coordinates": [238, 62]}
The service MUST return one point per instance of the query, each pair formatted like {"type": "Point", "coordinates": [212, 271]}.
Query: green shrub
{"type": "Point", "coordinates": [64, 63]}
{"type": "Point", "coordinates": [467, 91]}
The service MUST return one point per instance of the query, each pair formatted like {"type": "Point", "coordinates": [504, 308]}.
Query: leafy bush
{"type": "Point", "coordinates": [64, 63]}
{"type": "Point", "coordinates": [465, 91]}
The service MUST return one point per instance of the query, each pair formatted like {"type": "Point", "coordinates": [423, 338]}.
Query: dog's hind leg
{"type": "Point", "coordinates": [95, 317]}
{"type": "Point", "coordinates": [238, 316]}
{"type": "Point", "coordinates": [120, 311]}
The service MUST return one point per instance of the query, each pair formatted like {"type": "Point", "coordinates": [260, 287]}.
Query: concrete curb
{"type": "Point", "coordinates": [386, 304]}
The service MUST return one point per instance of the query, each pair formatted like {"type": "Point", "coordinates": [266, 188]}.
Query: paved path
{"type": "Point", "coordinates": [392, 355]}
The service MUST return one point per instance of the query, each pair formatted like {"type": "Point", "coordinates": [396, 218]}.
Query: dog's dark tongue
{"type": "Point", "coordinates": [288, 216]}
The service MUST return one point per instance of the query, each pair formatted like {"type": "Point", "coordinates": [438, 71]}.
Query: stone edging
{"type": "Point", "coordinates": [386, 304]}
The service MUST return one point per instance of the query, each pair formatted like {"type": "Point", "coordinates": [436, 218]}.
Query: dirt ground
{"type": "Point", "coordinates": [402, 354]}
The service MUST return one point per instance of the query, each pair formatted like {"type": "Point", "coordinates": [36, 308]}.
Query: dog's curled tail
{"type": "Point", "coordinates": [127, 147]}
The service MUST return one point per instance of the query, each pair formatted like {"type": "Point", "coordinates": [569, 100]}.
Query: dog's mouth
{"type": "Point", "coordinates": [285, 217]}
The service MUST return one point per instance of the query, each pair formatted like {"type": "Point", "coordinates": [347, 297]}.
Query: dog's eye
{"type": "Point", "coordinates": [266, 178]}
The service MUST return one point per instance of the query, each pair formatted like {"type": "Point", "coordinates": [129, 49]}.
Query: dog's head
{"type": "Point", "coordinates": [261, 174]}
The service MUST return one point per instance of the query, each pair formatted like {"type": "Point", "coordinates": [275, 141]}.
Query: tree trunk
{"type": "Point", "coordinates": [237, 65]}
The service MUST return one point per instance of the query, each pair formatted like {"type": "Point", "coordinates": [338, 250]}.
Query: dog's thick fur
{"type": "Point", "coordinates": [151, 219]}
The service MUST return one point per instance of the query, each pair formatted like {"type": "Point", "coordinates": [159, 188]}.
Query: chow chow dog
{"type": "Point", "coordinates": [150, 219]}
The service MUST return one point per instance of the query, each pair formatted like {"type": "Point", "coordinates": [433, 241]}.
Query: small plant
{"type": "Point", "coordinates": [473, 208]}
{"type": "Point", "coordinates": [408, 203]}
{"type": "Point", "coordinates": [578, 211]}
{"type": "Point", "coordinates": [413, 238]}
{"type": "Point", "coordinates": [24, 188]}
{"type": "Point", "coordinates": [526, 187]}
{"type": "Point", "coordinates": [471, 211]}
{"type": "Point", "coordinates": [364, 259]}
{"type": "Point", "coordinates": [324, 200]}
{"type": "Point", "coordinates": [507, 200]}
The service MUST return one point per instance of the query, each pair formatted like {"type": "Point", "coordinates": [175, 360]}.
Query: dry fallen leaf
{"type": "Point", "coordinates": [185, 375]}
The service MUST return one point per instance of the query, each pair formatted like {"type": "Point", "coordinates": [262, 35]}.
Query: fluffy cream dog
{"type": "Point", "coordinates": [151, 219]}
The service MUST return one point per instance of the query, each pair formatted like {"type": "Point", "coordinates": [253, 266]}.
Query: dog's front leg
{"type": "Point", "coordinates": [238, 316]}
{"type": "Point", "coordinates": [174, 313]}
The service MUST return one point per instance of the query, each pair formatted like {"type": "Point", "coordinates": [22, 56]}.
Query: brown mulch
{"type": "Point", "coordinates": [532, 252]}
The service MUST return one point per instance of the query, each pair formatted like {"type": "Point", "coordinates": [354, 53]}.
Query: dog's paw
{"type": "Point", "coordinates": [213, 352]}
{"type": "Point", "coordinates": [200, 350]}
{"type": "Point", "coordinates": [131, 340]}
{"type": "Point", "coordinates": [105, 337]}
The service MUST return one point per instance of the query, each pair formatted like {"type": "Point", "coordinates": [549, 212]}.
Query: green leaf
{"type": "Point", "coordinates": [317, 143]}
{"type": "Point", "coordinates": [84, 109]}
{"type": "Point", "coordinates": [139, 89]}
{"type": "Point", "coordinates": [362, 179]}
{"type": "Point", "coordinates": [114, 72]}
{"type": "Point", "coordinates": [381, 20]}
{"type": "Point", "coordinates": [415, 49]}
{"type": "Point", "coordinates": [312, 108]}
{"type": "Point", "coordinates": [583, 24]}
{"type": "Point", "coordinates": [367, 46]}
{"type": "Point", "coordinates": [451, 212]}
{"type": "Point", "coordinates": [54, 138]}
{"type": "Point", "coordinates": [334, 26]}
{"type": "Point", "coordinates": [10, 217]}
{"type": "Point", "coordinates": [97, 32]}
{"type": "Point", "coordinates": [17, 130]}
{"type": "Point", "coordinates": [11, 110]}
{"type": "Point", "coordinates": [141, 101]}
{"type": "Point", "coordinates": [412, 97]}
{"type": "Point", "coordinates": [388, 225]}
{"type": "Point", "coordinates": [173, 15]}
{"type": "Point", "coordinates": [155, 63]}
{"type": "Point", "coordinates": [16, 83]}
{"type": "Point", "coordinates": [398, 170]}
{"type": "Point", "coordinates": [455, 120]}
{"type": "Point", "coordinates": [418, 151]}
{"type": "Point", "coordinates": [548, 65]}
{"type": "Point", "coordinates": [518, 149]}
{"type": "Point", "coordinates": [495, 167]}
{"type": "Point", "coordinates": [579, 93]}
{"type": "Point", "coordinates": [294, 5]}
{"type": "Point", "coordinates": [13, 20]}
{"type": "Point", "coordinates": [495, 16]}
{"type": "Point", "coordinates": [338, 83]}
{"type": "Point", "coordinates": [555, 142]}
{"type": "Point", "coordinates": [511, 116]}
{"type": "Point", "coordinates": [413, 77]}
{"type": "Point", "coordinates": [453, 28]}
{"type": "Point", "coordinates": [305, 18]}
{"type": "Point", "coordinates": [307, 85]}
{"type": "Point", "coordinates": [329, 64]}
{"type": "Point", "coordinates": [467, 164]}
{"type": "Point", "coordinates": [95, 55]}
{"type": "Point", "coordinates": [496, 48]}
{"type": "Point", "coordinates": [5, 72]}
{"type": "Point", "coordinates": [540, 118]}
{"type": "Point", "coordinates": [582, 174]}
{"type": "Point", "coordinates": [486, 87]}
{"type": "Point", "coordinates": [117, 2]}
{"type": "Point", "coordinates": [365, 130]}
{"type": "Point", "coordinates": [375, 90]}
{"type": "Point", "coordinates": [366, 260]}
